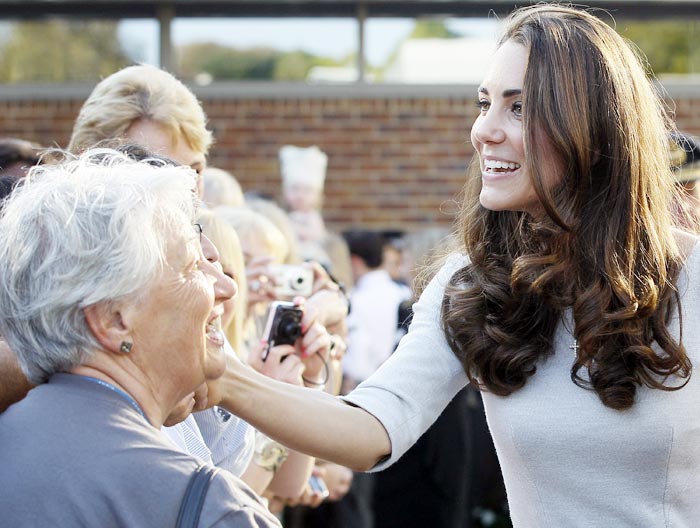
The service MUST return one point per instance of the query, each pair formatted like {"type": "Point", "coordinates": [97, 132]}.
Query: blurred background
{"type": "Point", "coordinates": [385, 88]}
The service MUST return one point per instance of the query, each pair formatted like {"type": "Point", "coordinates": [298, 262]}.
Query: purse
{"type": "Point", "coordinates": [192, 502]}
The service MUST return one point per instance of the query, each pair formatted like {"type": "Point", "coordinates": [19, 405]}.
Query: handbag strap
{"type": "Point", "coordinates": [192, 502]}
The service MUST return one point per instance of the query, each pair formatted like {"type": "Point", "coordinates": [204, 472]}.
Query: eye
{"type": "Point", "coordinates": [483, 105]}
{"type": "Point", "coordinates": [518, 109]}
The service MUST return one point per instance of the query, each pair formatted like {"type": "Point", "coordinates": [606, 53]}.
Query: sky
{"type": "Point", "coordinates": [332, 37]}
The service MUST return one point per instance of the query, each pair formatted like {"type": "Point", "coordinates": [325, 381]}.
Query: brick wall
{"type": "Point", "coordinates": [396, 160]}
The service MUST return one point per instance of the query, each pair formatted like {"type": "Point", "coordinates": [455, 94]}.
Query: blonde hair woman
{"type": "Point", "coordinates": [572, 303]}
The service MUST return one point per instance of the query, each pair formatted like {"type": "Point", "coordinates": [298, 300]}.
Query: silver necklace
{"type": "Point", "coordinates": [574, 346]}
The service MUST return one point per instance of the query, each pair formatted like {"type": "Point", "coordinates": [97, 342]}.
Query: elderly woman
{"type": "Point", "coordinates": [106, 294]}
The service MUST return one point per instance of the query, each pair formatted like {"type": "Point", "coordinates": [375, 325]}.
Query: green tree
{"type": "Point", "coordinates": [223, 62]}
{"type": "Point", "coordinates": [59, 50]}
{"type": "Point", "coordinates": [431, 28]}
{"type": "Point", "coordinates": [226, 63]}
{"type": "Point", "coordinates": [669, 45]}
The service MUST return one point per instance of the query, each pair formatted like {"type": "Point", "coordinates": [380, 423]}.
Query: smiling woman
{"type": "Point", "coordinates": [108, 296]}
{"type": "Point", "coordinates": [565, 304]}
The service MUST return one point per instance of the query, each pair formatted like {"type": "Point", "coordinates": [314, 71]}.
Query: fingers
{"type": "Point", "coordinates": [308, 497]}
{"type": "Point", "coordinates": [201, 397]}
{"type": "Point", "coordinates": [322, 280]}
{"type": "Point", "coordinates": [281, 364]}
{"type": "Point", "coordinates": [338, 347]}
{"type": "Point", "coordinates": [316, 340]}
{"type": "Point", "coordinates": [338, 479]}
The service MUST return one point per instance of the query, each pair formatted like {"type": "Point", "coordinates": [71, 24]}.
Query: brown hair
{"type": "Point", "coordinates": [605, 247]}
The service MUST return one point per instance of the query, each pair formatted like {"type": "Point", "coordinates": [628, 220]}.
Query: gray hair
{"type": "Point", "coordinates": [88, 230]}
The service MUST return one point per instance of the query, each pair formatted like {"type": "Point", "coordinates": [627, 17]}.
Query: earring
{"type": "Point", "coordinates": [125, 348]}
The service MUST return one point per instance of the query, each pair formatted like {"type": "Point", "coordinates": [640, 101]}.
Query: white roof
{"type": "Point", "coordinates": [460, 60]}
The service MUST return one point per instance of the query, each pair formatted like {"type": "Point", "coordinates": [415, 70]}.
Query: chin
{"type": "Point", "coordinates": [489, 203]}
{"type": "Point", "coordinates": [215, 364]}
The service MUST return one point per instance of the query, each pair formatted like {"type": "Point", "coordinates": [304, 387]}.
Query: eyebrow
{"type": "Point", "coordinates": [506, 93]}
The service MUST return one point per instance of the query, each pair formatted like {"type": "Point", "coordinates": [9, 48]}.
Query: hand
{"type": "Point", "coordinates": [281, 363]}
{"type": "Point", "coordinates": [181, 411]}
{"type": "Point", "coordinates": [331, 306]}
{"type": "Point", "coordinates": [260, 282]}
{"type": "Point", "coordinates": [314, 347]}
{"type": "Point", "coordinates": [308, 496]}
{"type": "Point", "coordinates": [338, 347]}
{"type": "Point", "coordinates": [322, 280]}
{"type": "Point", "coordinates": [338, 480]}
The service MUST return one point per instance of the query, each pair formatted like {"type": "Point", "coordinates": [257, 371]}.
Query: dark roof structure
{"type": "Point", "coordinates": [320, 8]}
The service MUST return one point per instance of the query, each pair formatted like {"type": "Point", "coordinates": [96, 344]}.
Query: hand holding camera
{"type": "Point", "coordinates": [291, 281]}
{"type": "Point", "coordinates": [288, 324]}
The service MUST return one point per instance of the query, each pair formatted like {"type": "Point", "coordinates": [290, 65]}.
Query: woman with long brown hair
{"type": "Point", "coordinates": [573, 303]}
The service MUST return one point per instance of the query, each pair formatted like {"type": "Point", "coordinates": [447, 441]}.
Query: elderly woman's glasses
{"type": "Point", "coordinates": [198, 229]}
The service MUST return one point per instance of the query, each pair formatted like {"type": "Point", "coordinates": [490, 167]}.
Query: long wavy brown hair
{"type": "Point", "coordinates": [605, 246]}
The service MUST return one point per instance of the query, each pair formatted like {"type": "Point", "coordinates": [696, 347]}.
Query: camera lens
{"type": "Point", "coordinates": [297, 283]}
{"type": "Point", "coordinates": [289, 329]}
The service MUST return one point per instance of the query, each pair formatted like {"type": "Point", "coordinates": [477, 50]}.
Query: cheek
{"type": "Point", "coordinates": [196, 295]}
{"type": "Point", "coordinates": [474, 132]}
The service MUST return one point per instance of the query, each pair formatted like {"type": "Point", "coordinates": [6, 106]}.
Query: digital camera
{"type": "Point", "coordinates": [283, 325]}
{"type": "Point", "coordinates": [291, 281]}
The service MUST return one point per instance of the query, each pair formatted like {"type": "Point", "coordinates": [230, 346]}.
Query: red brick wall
{"type": "Point", "coordinates": [394, 163]}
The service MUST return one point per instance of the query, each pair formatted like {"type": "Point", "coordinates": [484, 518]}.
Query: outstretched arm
{"type": "Point", "coordinates": [306, 420]}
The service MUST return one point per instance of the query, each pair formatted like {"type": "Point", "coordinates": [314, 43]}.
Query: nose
{"type": "Point", "coordinates": [224, 286]}
{"type": "Point", "coordinates": [488, 128]}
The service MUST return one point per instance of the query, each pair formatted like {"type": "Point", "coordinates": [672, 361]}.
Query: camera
{"type": "Point", "coordinates": [283, 325]}
{"type": "Point", "coordinates": [291, 281]}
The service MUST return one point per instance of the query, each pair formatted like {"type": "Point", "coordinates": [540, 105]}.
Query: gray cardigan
{"type": "Point", "coordinates": [75, 453]}
{"type": "Point", "coordinates": [567, 460]}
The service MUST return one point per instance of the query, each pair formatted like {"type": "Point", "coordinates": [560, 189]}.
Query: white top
{"type": "Point", "coordinates": [567, 460]}
{"type": "Point", "coordinates": [186, 436]}
{"type": "Point", "coordinates": [372, 323]}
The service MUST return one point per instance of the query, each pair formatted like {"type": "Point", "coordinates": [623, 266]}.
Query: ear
{"type": "Point", "coordinates": [106, 323]}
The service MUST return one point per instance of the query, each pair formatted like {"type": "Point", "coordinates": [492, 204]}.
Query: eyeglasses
{"type": "Point", "coordinates": [198, 229]}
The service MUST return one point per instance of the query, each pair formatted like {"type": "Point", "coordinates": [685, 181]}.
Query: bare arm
{"type": "Point", "coordinates": [13, 383]}
{"type": "Point", "coordinates": [306, 420]}
{"type": "Point", "coordinates": [290, 479]}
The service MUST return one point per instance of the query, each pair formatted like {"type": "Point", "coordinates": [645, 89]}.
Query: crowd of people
{"type": "Point", "coordinates": [178, 350]}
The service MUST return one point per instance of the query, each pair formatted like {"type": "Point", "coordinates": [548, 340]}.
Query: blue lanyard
{"type": "Point", "coordinates": [123, 394]}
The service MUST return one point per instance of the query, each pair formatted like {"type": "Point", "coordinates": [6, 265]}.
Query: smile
{"type": "Point", "coordinates": [214, 334]}
{"type": "Point", "coordinates": [500, 166]}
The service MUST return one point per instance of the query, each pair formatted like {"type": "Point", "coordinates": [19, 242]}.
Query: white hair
{"type": "Point", "coordinates": [88, 230]}
{"type": "Point", "coordinates": [221, 188]}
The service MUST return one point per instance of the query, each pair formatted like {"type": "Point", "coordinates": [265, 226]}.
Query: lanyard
{"type": "Point", "coordinates": [123, 394]}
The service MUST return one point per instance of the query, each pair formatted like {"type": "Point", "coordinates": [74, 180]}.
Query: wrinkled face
{"type": "Point", "coordinates": [302, 197]}
{"type": "Point", "coordinates": [156, 138]}
{"type": "Point", "coordinates": [176, 325]}
{"type": "Point", "coordinates": [497, 134]}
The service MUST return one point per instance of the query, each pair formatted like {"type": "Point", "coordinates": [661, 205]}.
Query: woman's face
{"type": "Point", "coordinates": [158, 139]}
{"type": "Point", "coordinates": [177, 323]}
{"type": "Point", "coordinates": [497, 134]}
{"type": "Point", "coordinates": [302, 197]}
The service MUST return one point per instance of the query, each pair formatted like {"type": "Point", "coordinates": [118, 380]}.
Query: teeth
{"type": "Point", "coordinates": [214, 334]}
{"type": "Point", "coordinates": [497, 164]}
